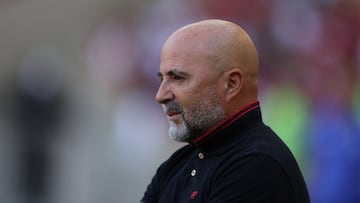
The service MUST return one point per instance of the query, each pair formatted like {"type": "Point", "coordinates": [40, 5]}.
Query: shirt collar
{"type": "Point", "coordinates": [224, 124]}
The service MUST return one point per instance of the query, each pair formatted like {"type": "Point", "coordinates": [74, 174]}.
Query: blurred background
{"type": "Point", "coordinates": [78, 119]}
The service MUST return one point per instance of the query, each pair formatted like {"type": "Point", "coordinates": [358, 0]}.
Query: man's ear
{"type": "Point", "coordinates": [233, 83]}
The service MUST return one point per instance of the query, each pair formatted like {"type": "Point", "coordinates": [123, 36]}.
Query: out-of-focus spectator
{"type": "Point", "coordinates": [39, 103]}
{"type": "Point", "coordinates": [334, 150]}
{"type": "Point", "coordinates": [334, 134]}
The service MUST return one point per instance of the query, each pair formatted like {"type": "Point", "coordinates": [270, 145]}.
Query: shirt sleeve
{"type": "Point", "coordinates": [254, 179]}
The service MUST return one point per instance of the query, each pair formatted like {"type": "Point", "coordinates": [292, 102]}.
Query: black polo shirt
{"type": "Point", "coordinates": [240, 160]}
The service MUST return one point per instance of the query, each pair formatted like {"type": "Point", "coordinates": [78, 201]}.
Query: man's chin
{"type": "Point", "coordinates": [179, 135]}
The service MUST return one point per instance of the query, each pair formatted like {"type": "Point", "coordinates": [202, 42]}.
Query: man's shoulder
{"type": "Point", "coordinates": [265, 141]}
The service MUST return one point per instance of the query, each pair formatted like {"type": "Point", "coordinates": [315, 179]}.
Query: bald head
{"type": "Point", "coordinates": [218, 54]}
{"type": "Point", "coordinates": [224, 42]}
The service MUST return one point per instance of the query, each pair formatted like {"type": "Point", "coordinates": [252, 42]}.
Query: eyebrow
{"type": "Point", "coordinates": [174, 72]}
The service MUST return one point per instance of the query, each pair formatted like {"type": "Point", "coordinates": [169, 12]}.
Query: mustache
{"type": "Point", "coordinates": [172, 107]}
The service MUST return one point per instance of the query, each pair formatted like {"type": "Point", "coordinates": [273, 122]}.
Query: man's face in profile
{"type": "Point", "coordinates": [188, 91]}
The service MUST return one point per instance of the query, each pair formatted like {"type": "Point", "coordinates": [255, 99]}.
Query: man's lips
{"type": "Point", "coordinates": [173, 115]}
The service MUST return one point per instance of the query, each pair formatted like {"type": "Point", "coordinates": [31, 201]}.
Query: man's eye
{"type": "Point", "coordinates": [176, 77]}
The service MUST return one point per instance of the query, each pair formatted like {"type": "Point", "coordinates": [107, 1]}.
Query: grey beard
{"type": "Point", "coordinates": [196, 121]}
{"type": "Point", "coordinates": [179, 133]}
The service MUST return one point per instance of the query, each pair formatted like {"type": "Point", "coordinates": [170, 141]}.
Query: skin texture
{"type": "Point", "coordinates": [208, 71]}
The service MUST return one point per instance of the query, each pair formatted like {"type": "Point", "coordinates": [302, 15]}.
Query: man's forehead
{"type": "Point", "coordinates": [177, 62]}
{"type": "Point", "coordinates": [189, 64]}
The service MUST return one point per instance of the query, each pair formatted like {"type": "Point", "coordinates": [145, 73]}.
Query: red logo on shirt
{"type": "Point", "coordinates": [194, 194]}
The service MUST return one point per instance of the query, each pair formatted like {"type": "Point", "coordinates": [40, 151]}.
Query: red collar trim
{"type": "Point", "coordinates": [228, 121]}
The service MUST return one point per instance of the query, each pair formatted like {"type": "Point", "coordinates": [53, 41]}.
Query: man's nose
{"type": "Point", "coordinates": [164, 94]}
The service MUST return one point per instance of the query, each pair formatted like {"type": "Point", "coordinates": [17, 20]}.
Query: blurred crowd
{"type": "Point", "coordinates": [85, 127]}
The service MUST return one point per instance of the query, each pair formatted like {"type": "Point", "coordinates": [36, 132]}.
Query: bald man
{"type": "Point", "coordinates": [209, 92]}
